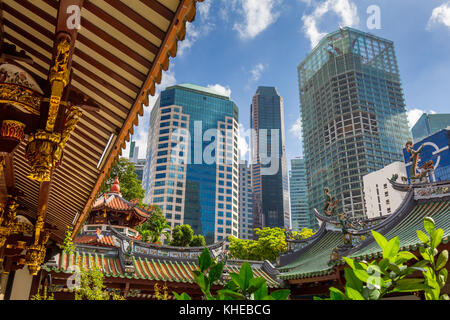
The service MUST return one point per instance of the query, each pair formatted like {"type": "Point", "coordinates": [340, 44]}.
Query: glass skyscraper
{"type": "Point", "coordinates": [301, 216]}
{"type": "Point", "coordinates": [353, 115]}
{"type": "Point", "coordinates": [245, 202]}
{"type": "Point", "coordinates": [187, 184]}
{"type": "Point", "coordinates": [429, 124]}
{"type": "Point", "coordinates": [269, 179]}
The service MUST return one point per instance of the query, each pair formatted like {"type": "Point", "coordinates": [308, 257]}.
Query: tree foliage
{"type": "Point", "coordinates": [301, 235]}
{"type": "Point", "coordinates": [183, 236]}
{"type": "Point", "coordinates": [92, 287]}
{"type": "Point", "coordinates": [154, 227]}
{"type": "Point", "coordinates": [68, 245]}
{"type": "Point", "coordinates": [374, 280]}
{"type": "Point", "coordinates": [242, 286]}
{"type": "Point", "coordinates": [44, 296]}
{"type": "Point", "coordinates": [130, 185]}
{"type": "Point", "coordinates": [270, 244]}
{"type": "Point", "coordinates": [198, 241]}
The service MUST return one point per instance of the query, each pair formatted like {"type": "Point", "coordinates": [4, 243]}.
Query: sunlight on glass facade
{"type": "Point", "coordinates": [270, 191]}
{"type": "Point", "coordinates": [301, 216]}
{"type": "Point", "coordinates": [429, 124]}
{"type": "Point", "coordinates": [189, 190]}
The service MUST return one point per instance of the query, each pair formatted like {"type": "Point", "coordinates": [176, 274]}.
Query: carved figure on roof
{"type": "Point", "coordinates": [418, 172]}
{"type": "Point", "coordinates": [345, 225]}
{"type": "Point", "coordinates": [330, 202]}
{"type": "Point", "coordinates": [394, 177]}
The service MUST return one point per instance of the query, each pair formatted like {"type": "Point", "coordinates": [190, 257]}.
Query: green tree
{"type": "Point", "coordinates": [155, 226]}
{"type": "Point", "coordinates": [242, 286]}
{"type": "Point", "coordinates": [45, 296]}
{"type": "Point", "coordinates": [301, 235]}
{"type": "Point", "coordinates": [130, 185]}
{"type": "Point", "coordinates": [270, 244]}
{"type": "Point", "coordinates": [198, 241]}
{"type": "Point", "coordinates": [183, 236]}
{"type": "Point", "coordinates": [374, 280]}
{"type": "Point", "coordinates": [435, 273]}
{"type": "Point", "coordinates": [92, 287]}
{"type": "Point", "coordinates": [68, 245]}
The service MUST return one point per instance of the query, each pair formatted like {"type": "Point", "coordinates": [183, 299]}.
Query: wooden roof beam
{"type": "Point", "coordinates": [185, 12]}
{"type": "Point", "coordinates": [120, 26]}
{"type": "Point", "coordinates": [159, 8]}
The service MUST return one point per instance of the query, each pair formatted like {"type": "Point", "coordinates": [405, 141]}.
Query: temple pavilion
{"type": "Point", "coordinates": [74, 78]}
{"type": "Point", "coordinates": [130, 266]}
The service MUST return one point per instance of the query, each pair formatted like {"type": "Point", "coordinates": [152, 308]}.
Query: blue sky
{"type": "Point", "coordinates": [236, 45]}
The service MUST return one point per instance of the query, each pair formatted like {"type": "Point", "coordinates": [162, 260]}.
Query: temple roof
{"type": "Point", "coordinates": [115, 202]}
{"type": "Point", "coordinates": [424, 200]}
{"type": "Point", "coordinates": [119, 55]}
{"type": "Point", "coordinates": [147, 268]}
{"type": "Point", "coordinates": [95, 240]}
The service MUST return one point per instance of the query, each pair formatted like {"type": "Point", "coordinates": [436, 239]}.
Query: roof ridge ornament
{"type": "Point", "coordinates": [115, 187]}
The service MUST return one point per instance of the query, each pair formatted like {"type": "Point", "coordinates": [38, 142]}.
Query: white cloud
{"type": "Point", "coordinates": [415, 114]}
{"type": "Point", "coordinates": [345, 9]}
{"type": "Point", "coordinates": [296, 129]}
{"type": "Point", "coordinates": [140, 135]}
{"type": "Point", "coordinates": [440, 14]}
{"type": "Point", "coordinates": [195, 31]}
{"type": "Point", "coordinates": [258, 15]}
{"type": "Point", "coordinates": [257, 71]}
{"type": "Point", "coordinates": [225, 91]}
{"type": "Point", "coordinates": [243, 142]}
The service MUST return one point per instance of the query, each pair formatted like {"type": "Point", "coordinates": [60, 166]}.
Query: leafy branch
{"type": "Point", "coordinates": [242, 286]}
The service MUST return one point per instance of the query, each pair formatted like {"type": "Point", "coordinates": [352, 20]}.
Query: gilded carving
{"type": "Point", "coordinates": [8, 220]}
{"type": "Point", "coordinates": [59, 78]}
{"type": "Point", "coordinates": [70, 123]}
{"type": "Point", "coordinates": [44, 150]}
{"type": "Point", "coordinates": [12, 129]}
{"type": "Point", "coordinates": [19, 88]}
{"type": "Point", "coordinates": [44, 153]}
{"type": "Point", "coordinates": [36, 252]}
{"type": "Point", "coordinates": [22, 96]}
{"type": "Point", "coordinates": [35, 257]}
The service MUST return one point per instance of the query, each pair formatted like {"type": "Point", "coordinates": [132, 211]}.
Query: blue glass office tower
{"type": "Point", "coordinates": [270, 189]}
{"type": "Point", "coordinates": [353, 115]}
{"type": "Point", "coordinates": [185, 185]}
{"type": "Point", "coordinates": [429, 124]}
{"type": "Point", "coordinates": [301, 216]}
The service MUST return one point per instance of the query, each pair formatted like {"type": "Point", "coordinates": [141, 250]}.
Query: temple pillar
{"type": "Point", "coordinates": [21, 284]}
{"type": "Point", "coordinates": [3, 282]}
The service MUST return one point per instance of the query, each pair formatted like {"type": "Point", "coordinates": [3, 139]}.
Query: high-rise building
{"type": "Point", "coordinates": [245, 202]}
{"type": "Point", "coordinates": [379, 196]}
{"type": "Point", "coordinates": [269, 165]}
{"type": "Point", "coordinates": [139, 164]}
{"type": "Point", "coordinates": [192, 160]}
{"type": "Point", "coordinates": [353, 115]}
{"type": "Point", "coordinates": [429, 124]}
{"type": "Point", "coordinates": [301, 216]}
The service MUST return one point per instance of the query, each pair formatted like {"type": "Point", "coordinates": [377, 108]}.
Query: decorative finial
{"type": "Point", "coordinates": [115, 188]}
